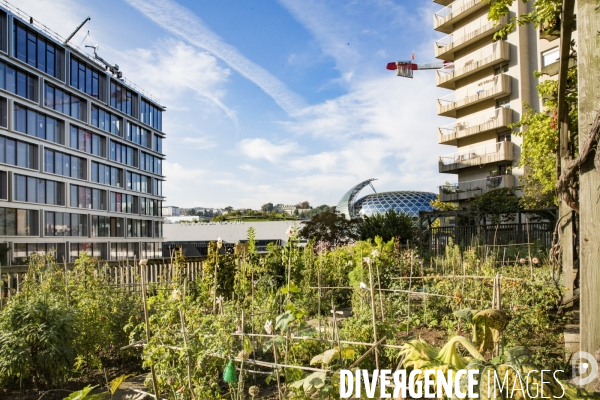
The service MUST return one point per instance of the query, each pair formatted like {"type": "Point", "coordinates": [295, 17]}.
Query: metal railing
{"type": "Point", "coordinates": [501, 151]}
{"type": "Point", "coordinates": [497, 51]}
{"type": "Point", "coordinates": [477, 123]}
{"type": "Point", "coordinates": [467, 33]}
{"type": "Point", "coordinates": [468, 189]}
{"type": "Point", "coordinates": [474, 93]}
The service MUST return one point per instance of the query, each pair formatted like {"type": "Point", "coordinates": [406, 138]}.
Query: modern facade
{"type": "Point", "coordinates": [171, 211]}
{"type": "Point", "coordinates": [408, 202]}
{"type": "Point", "coordinates": [80, 151]}
{"type": "Point", "coordinates": [489, 81]}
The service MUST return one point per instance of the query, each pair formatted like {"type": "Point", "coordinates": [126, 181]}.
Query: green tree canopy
{"type": "Point", "coordinates": [331, 227]}
{"type": "Point", "coordinates": [390, 225]}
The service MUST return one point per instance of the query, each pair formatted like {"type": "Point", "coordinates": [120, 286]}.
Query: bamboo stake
{"type": "Point", "coordinates": [355, 363]}
{"type": "Point", "coordinates": [146, 320]}
{"type": "Point", "coordinates": [373, 313]}
{"type": "Point", "coordinates": [380, 294]}
{"type": "Point", "coordinates": [337, 333]}
{"type": "Point", "coordinates": [389, 346]}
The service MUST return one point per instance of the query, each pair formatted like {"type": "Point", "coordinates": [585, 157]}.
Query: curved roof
{"type": "Point", "coordinates": [409, 202]}
{"type": "Point", "coordinates": [346, 203]}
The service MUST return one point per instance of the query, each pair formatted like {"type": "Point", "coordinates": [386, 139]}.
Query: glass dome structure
{"type": "Point", "coordinates": [409, 202]}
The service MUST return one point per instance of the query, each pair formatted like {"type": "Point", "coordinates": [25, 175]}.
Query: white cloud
{"type": "Point", "coordinates": [199, 143]}
{"type": "Point", "coordinates": [185, 24]}
{"type": "Point", "coordinates": [259, 148]}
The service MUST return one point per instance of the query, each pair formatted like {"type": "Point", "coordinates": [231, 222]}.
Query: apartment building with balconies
{"type": "Point", "coordinates": [80, 151]}
{"type": "Point", "coordinates": [489, 79]}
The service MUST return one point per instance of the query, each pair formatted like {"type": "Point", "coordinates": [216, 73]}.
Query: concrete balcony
{"type": "Point", "coordinates": [443, 2]}
{"type": "Point", "coordinates": [481, 122]}
{"type": "Point", "coordinates": [501, 151]}
{"type": "Point", "coordinates": [470, 189]}
{"type": "Point", "coordinates": [446, 47]}
{"type": "Point", "coordinates": [486, 89]}
{"type": "Point", "coordinates": [481, 59]}
{"type": "Point", "coordinates": [444, 20]}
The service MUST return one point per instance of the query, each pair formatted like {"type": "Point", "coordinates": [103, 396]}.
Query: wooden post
{"type": "Point", "coordinates": [566, 214]}
{"type": "Point", "coordinates": [588, 57]}
{"type": "Point", "coordinates": [146, 320]}
{"type": "Point", "coordinates": [373, 313]}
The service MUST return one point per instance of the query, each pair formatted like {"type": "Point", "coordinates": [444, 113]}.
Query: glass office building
{"type": "Point", "coordinates": [80, 152]}
{"type": "Point", "coordinates": [409, 202]}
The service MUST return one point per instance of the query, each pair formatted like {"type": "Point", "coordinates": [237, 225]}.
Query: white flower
{"type": "Point", "coordinates": [363, 286]}
{"type": "Point", "coordinates": [219, 242]}
{"type": "Point", "coordinates": [522, 261]}
{"type": "Point", "coordinates": [535, 260]}
{"type": "Point", "coordinates": [289, 231]}
{"type": "Point", "coordinates": [176, 295]}
{"type": "Point", "coordinates": [367, 260]}
{"type": "Point", "coordinates": [269, 326]}
{"type": "Point", "coordinates": [375, 253]}
{"type": "Point", "coordinates": [220, 300]}
{"type": "Point", "coordinates": [143, 262]}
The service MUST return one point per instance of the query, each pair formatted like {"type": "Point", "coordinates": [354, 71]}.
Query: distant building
{"type": "Point", "coordinates": [195, 237]}
{"type": "Point", "coordinates": [286, 208]}
{"type": "Point", "coordinates": [171, 211]}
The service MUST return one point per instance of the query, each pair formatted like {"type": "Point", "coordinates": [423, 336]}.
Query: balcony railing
{"type": "Point", "coordinates": [480, 28]}
{"type": "Point", "coordinates": [486, 89]}
{"type": "Point", "coordinates": [444, 19]}
{"type": "Point", "coordinates": [482, 122]}
{"type": "Point", "coordinates": [501, 151]}
{"type": "Point", "coordinates": [469, 189]}
{"type": "Point", "coordinates": [474, 62]}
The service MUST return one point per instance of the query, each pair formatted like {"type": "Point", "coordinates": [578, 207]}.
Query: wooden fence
{"type": "Point", "coordinates": [125, 275]}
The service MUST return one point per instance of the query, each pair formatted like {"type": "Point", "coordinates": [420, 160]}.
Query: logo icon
{"type": "Point", "coordinates": [584, 364]}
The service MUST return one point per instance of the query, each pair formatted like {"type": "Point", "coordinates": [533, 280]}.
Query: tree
{"type": "Point", "coordinates": [268, 207]}
{"type": "Point", "coordinates": [390, 225]}
{"type": "Point", "coordinates": [330, 227]}
{"type": "Point", "coordinates": [304, 205]}
{"type": "Point", "coordinates": [228, 209]}
{"type": "Point", "coordinates": [499, 204]}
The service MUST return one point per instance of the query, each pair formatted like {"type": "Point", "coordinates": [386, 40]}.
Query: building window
{"type": "Point", "coordinates": [123, 154]}
{"type": "Point", "coordinates": [3, 32]}
{"type": "Point", "coordinates": [3, 185]}
{"type": "Point", "coordinates": [503, 102]}
{"type": "Point", "coordinates": [505, 137]}
{"type": "Point", "coordinates": [66, 224]}
{"type": "Point", "coordinates": [151, 207]}
{"type": "Point", "coordinates": [122, 98]}
{"type": "Point", "coordinates": [18, 81]}
{"type": "Point", "coordinates": [38, 52]}
{"type": "Point", "coordinates": [125, 203]}
{"type": "Point", "coordinates": [157, 190]}
{"type": "Point", "coordinates": [24, 250]}
{"type": "Point", "coordinates": [151, 115]}
{"type": "Point", "coordinates": [106, 121]}
{"type": "Point", "coordinates": [87, 79]}
{"type": "Point", "coordinates": [97, 250]}
{"type": "Point", "coordinates": [18, 222]}
{"type": "Point", "coordinates": [33, 123]}
{"type": "Point", "coordinates": [139, 228]}
{"type": "Point", "coordinates": [3, 113]}
{"type": "Point", "coordinates": [139, 135]}
{"type": "Point", "coordinates": [505, 169]}
{"type": "Point", "coordinates": [107, 175]}
{"type": "Point", "coordinates": [85, 197]}
{"type": "Point", "coordinates": [59, 163]}
{"type": "Point", "coordinates": [36, 190]}
{"type": "Point", "coordinates": [151, 163]}
{"type": "Point", "coordinates": [86, 141]}
{"type": "Point", "coordinates": [550, 57]}
{"type": "Point", "coordinates": [157, 144]}
{"type": "Point", "coordinates": [64, 102]}
{"type": "Point", "coordinates": [123, 251]}
{"type": "Point", "coordinates": [158, 229]}
{"type": "Point", "coordinates": [18, 153]}
{"type": "Point", "coordinates": [107, 226]}
{"type": "Point", "coordinates": [138, 183]}
{"type": "Point", "coordinates": [151, 250]}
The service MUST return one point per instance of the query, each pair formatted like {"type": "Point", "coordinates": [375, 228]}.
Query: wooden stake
{"type": "Point", "coordinates": [146, 320]}
{"type": "Point", "coordinates": [373, 314]}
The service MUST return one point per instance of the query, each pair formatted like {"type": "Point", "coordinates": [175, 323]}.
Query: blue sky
{"type": "Point", "coordinates": [274, 101]}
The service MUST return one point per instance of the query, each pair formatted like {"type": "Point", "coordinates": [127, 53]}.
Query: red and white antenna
{"type": "Point", "coordinates": [405, 68]}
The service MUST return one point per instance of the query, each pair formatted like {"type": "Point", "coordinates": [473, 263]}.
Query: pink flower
{"type": "Point", "coordinates": [522, 261]}
{"type": "Point", "coordinates": [535, 260]}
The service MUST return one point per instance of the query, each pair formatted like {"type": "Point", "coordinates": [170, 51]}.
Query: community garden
{"type": "Point", "coordinates": [283, 324]}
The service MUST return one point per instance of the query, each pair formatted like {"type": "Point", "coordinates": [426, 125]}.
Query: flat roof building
{"type": "Point", "coordinates": [80, 151]}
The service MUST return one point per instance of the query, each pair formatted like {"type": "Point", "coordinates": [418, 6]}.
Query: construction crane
{"type": "Point", "coordinates": [405, 68]}
{"type": "Point", "coordinates": [113, 68]}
